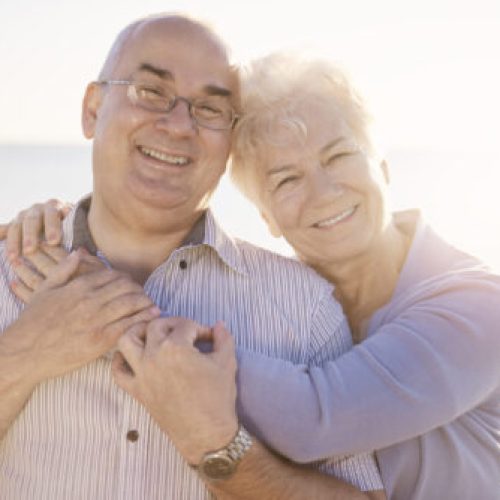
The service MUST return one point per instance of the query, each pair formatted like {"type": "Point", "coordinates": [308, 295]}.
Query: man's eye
{"type": "Point", "coordinates": [209, 110]}
{"type": "Point", "coordinates": [149, 92]}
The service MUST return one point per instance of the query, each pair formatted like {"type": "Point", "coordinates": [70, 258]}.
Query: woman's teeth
{"type": "Point", "coordinates": [334, 220]}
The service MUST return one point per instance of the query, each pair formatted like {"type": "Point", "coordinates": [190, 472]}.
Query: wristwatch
{"type": "Point", "coordinates": [221, 464]}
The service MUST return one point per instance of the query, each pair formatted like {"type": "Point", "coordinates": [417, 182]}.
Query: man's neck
{"type": "Point", "coordinates": [133, 246]}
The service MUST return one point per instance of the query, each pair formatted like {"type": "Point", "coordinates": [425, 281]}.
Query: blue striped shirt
{"type": "Point", "coordinates": [73, 441]}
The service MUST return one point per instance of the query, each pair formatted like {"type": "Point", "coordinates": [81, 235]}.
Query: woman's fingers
{"type": "Point", "coordinates": [42, 222]}
{"type": "Point", "coordinates": [21, 291]}
{"type": "Point", "coordinates": [26, 275]}
{"type": "Point", "coordinates": [14, 239]}
{"type": "Point", "coordinates": [53, 213]}
{"type": "Point", "coordinates": [32, 224]}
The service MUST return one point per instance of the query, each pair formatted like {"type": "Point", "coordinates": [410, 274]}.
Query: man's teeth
{"type": "Point", "coordinates": [158, 155]}
{"type": "Point", "coordinates": [343, 215]}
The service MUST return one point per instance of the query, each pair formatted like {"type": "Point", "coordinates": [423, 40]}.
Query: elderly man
{"type": "Point", "coordinates": [160, 117]}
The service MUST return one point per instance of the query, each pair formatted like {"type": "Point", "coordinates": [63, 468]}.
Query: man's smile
{"type": "Point", "coordinates": [170, 159]}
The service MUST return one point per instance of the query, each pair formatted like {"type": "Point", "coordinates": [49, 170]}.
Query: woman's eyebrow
{"type": "Point", "coordinates": [332, 144]}
{"type": "Point", "coordinates": [278, 169]}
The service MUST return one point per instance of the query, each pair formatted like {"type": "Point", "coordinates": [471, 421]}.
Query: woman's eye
{"type": "Point", "coordinates": [286, 180]}
{"type": "Point", "coordinates": [336, 157]}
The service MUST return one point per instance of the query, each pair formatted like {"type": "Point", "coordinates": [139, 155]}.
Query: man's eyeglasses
{"type": "Point", "coordinates": [213, 112]}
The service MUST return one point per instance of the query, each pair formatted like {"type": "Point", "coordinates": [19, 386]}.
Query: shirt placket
{"type": "Point", "coordinates": [132, 449]}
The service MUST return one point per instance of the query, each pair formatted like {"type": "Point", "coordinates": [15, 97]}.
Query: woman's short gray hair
{"type": "Point", "coordinates": [272, 89]}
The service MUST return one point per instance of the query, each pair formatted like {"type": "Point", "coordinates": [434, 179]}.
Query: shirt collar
{"type": "Point", "coordinates": [206, 231]}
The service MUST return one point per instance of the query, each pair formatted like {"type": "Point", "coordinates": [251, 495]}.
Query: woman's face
{"type": "Point", "coordinates": [323, 193]}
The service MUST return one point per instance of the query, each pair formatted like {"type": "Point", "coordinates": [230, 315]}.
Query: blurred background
{"type": "Point", "coordinates": [430, 70]}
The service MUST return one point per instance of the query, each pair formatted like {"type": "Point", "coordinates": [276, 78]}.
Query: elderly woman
{"type": "Point", "coordinates": [422, 384]}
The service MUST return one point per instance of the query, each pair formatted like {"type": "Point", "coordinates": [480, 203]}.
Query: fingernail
{"type": "Point", "coordinates": [155, 310]}
{"type": "Point", "coordinates": [52, 237]}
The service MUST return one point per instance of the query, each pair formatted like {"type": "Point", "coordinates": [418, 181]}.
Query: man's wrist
{"type": "Point", "coordinates": [222, 463]}
{"type": "Point", "coordinates": [15, 369]}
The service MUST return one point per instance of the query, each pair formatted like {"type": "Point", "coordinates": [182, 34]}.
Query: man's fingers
{"type": "Point", "coordinates": [131, 345]}
{"type": "Point", "coordinates": [63, 271]}
{"type": "Point", "coordinates": [124, 306]}
{"type": "Point", "coordinates": [120, 297]}
{"type": "Point", "coordinates": [178, 330]}
{"type": "Point", "coordinates": [114, 330]}
{"type": "Point", "coordinates": [52, 217]}
{"type": "Point", "coordinates": [26, 275]}
{"type": "Point", "coordinates": [21, 291]}
{"type": "Point", "coordinates": [57, 253]}
{"type": "Point", "coordinates": [122, 372]}
{"type": "Point", "coordinates": [223, 342]}
{"type": "Point", "coordinates": [42, 262]}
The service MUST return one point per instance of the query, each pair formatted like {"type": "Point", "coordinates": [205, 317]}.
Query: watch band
{"type": "Point", "coordinates": [222, 463]}
{"type": "Point", "coordinates": [239, 445]}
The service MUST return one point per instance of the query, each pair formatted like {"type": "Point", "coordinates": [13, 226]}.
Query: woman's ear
{"type": "Point", "coordinates": [90, 106]}
{"type": "Point", "coordinates": [271, 225]}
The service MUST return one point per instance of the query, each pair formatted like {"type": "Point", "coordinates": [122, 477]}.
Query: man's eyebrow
{"type": "Point", "coordinates": [165, 74]}
{"type": "Point", "coordinates": [216, 90]}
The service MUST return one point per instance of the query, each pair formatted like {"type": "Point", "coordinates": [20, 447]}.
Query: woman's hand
{"type": "Point", "coordinates": [41, 222]}
{"type": "Point", "coordinates": [33, 269]}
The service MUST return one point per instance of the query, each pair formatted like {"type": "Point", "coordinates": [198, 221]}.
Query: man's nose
{"type": "Point", "coordinates": [178, 120]}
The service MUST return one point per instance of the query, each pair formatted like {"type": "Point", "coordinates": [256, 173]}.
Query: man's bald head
{"type": "Point", "coordinates": [175, 23]}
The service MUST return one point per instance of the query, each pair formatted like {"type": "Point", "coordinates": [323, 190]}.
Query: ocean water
{"type": "Point", "coordinates": [458, 192]}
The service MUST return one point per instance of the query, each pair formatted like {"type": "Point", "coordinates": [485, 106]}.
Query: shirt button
{"type": "Point", "coordinates": [183, 264]}
{"type": "Point", "coordinates": [132, 436]}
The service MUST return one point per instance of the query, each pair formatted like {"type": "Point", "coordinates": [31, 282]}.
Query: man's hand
{"type": "Point", "coordinates": [40, 222]}
{"type": "Point", "coordinates": [71, 322]}
{"type": "Point", "coordinates": [191, 395]}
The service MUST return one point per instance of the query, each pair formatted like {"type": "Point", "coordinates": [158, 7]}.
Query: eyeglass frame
{"type": "Point", "coordinates": [175, 99]}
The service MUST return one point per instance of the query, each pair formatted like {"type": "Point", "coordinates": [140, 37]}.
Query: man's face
{"type": "Point", "coordinates": [146, 160]}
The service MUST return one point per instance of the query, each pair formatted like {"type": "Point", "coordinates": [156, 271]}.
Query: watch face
{"type": "Point", "coordinates": [218, 466]}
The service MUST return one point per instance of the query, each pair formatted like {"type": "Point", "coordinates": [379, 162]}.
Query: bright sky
{"type": "Point", "coordinates": [432, 66]}
{"type": "Point", "coordinates": [431, 69]}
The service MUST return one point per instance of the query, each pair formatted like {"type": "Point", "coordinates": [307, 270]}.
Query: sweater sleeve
{"type": "Point", "coordinates": [434, 357]}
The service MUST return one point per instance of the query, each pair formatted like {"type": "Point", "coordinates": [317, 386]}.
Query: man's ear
{"type": "Point", "coordinates": [90, 107]}
{"type": "Point", "coordinates": [271, 225]}
{"type": "Point", "coordinates": [385, 171]}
